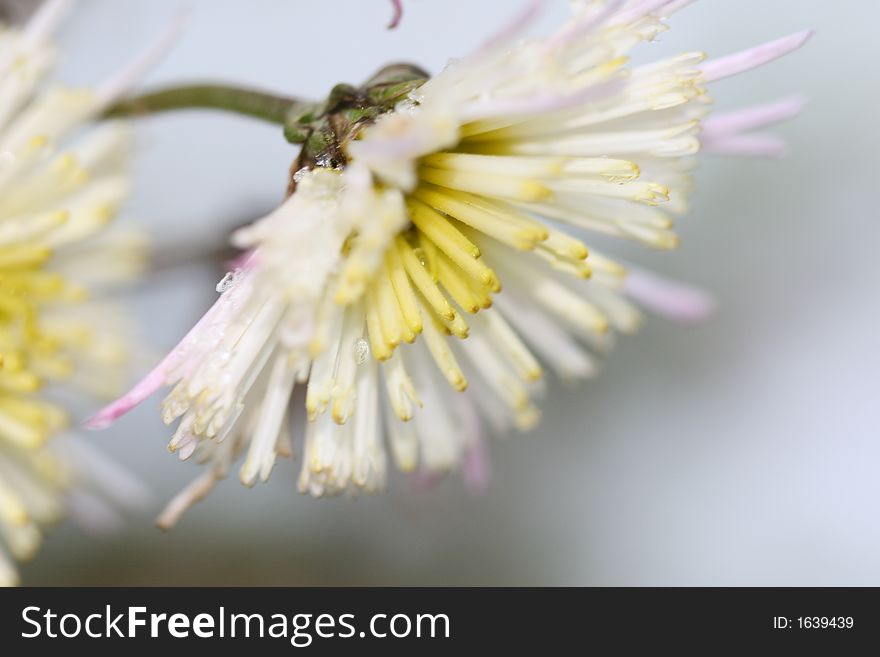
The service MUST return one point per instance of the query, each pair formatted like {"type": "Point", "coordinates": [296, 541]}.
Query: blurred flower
{"type": "Point", "coordinates": [57, 196]}
{"type": "Point", "coordinates": [408, 227]}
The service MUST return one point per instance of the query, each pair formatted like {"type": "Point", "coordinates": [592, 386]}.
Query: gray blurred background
{"type": "Point", "coordinates": [740, 452]}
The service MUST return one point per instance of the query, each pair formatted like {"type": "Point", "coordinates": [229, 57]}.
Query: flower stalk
{"type": "Point", "coordinates": [238, 100]}
{"type": "Point", "coordinates": [301, 119]}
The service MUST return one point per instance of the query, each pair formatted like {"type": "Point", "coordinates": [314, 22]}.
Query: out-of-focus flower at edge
{"type": "Point", "coordinates": [57, 196]}
{"type": "Point", "coordinates": [414, 202]}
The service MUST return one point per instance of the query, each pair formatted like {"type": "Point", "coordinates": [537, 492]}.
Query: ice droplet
{"type": "Point", "coordinates": [325, 160]}
{"type": "Point", "coordinates": [408, 105]}
{"type": "Point", "coordinates": [361, 351]}
{"type": "Point", "coordinates": [228, 281]}
{"type": "Point", "coordinates": [419, 253]}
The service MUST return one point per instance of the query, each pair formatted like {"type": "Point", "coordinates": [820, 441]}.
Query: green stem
{"type": "Point", "coordinates": [258, 104]}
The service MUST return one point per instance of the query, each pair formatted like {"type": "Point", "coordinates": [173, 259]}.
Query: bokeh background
{"type": "Point", "coordinates": [743, 451]}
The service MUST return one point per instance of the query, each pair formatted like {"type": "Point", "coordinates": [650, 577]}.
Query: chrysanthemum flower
{"type": "Point", "coordinates": [57, 196]}
{"type": "Point", "coordinates": [426, 264]}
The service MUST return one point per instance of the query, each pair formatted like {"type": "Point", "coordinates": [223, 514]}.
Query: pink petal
{"type": "Point", "coordinates": [746, 60]}
{"type": "Point", "coordinates": [745, 145]}
{"type": "Point", "coordinates": [677, 302]}
{"type": "Point", "coordinates": [583, 25]}
{"type": "Point", "coordinates": [423, 480]}
{"type": "Point", "coordinates": [142, 389]}
{"type": "Point", "coordinates": [476, 468]}
{"type": "Point", "coordinates": [750, 118]}
{"type": "Point", "coordinates": [638, 10]}
{"type": "Point", "coordinates": [516, 27]}
{"type": "Point", "coordinates": [674, 6]}
{"type": "Point", "coordinates": [244, 260]}
{"type": "Point", "coordinates": [398, 14]}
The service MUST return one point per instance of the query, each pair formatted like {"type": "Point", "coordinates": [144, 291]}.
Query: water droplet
{"type": "Point", "coordinates": [421, 255]}
{"type": "Point", "coordinates": [361, 351]}
{"type": "Point", "coordinates": [228, 281]}
{"type": "Point", "coordinates": [408, 105]}
{"type": "Point", "coordinates": [300, 174]}
{"type": "Point", "coordinates": [325, 161]}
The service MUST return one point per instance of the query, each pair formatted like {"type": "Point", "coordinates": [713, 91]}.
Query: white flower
{"type": "Point", "coordinates": [57, 195]}
{"type": "Point", "coordinates": [379, 286]}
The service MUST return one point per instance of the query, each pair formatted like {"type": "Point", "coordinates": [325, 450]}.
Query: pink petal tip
{"type": "Point", "coordinates": [108, 415]}
{"type": "Point", "coordinates": [751, 118]}
{"type": "Point", "coordinates": [746, 60]}
{"type": "Point", "coordinates": [476, 469]}
{"type": "Point", "coordinates": [116, 409]}
{"type": "Point", "coordinates": [677, 302]}
{"type": "Point", "coordinates": [397, 15]}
